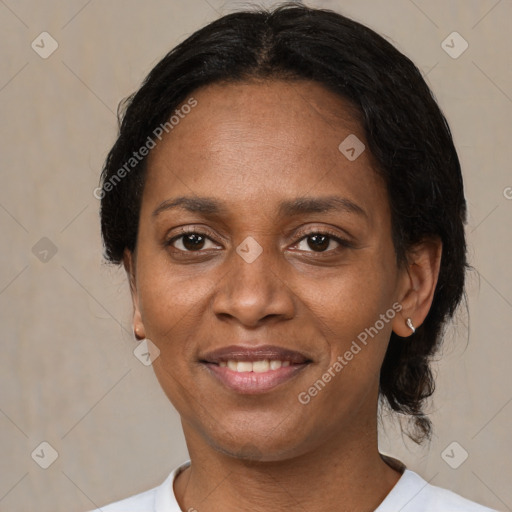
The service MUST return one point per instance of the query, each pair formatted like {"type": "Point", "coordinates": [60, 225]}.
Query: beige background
{"type": "Point", "coordinates": [68, 374]}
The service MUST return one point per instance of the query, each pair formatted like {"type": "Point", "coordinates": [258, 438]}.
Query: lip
{"type": "Point", "coordinates": [254, 353]}
{"type": "Point", "coordinates": [252, 382]}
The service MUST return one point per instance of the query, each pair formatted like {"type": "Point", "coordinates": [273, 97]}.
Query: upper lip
{"type": "Point", "coordinates": [254, 353]}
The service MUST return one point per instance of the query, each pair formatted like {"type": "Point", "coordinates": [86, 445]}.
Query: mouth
{"type": "Point", "coordinates": [254, 370]}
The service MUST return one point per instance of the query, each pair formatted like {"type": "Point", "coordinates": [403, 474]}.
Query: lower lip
{"type": "Point", "coordinates": [253, 382]}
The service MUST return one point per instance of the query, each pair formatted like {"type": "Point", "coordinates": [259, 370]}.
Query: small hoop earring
{"type": "Point", "coordinates": [409, 324]}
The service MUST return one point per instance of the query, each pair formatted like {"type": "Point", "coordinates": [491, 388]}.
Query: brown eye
{"type": "Point", "coordinates": [191, 241]}
{"type": "Point", "coordinates": [320, 242]}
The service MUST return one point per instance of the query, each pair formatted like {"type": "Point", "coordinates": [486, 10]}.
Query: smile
{"type": "Point", "coordinates": [254, 370]}
{"type": "Point", "coordinates": [262, 366]}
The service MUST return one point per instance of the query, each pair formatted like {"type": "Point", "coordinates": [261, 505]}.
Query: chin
{"type": "Point", "coordinates": [259, 442]}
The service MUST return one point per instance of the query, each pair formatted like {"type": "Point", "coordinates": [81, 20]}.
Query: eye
{"type": "Point", "coordinates": [191, 241]}
{"type": "Point", "coordinates": [321, 242]}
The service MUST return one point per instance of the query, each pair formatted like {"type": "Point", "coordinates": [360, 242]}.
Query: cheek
{"type": "Point", "coordinates": [171, 311]}
{"type": "Point", "coordinates": [353, 312]}
{"type": "Point", "coordinates": [170, 305]}
{"type": "Point", "coordinates": [354, 297]}
{"type": "Point", "coordinates": [174, 310]}
{"type": "Point", "coordinates": [349, 321]}
{"type": "Point", "coordinates": [166, 293]}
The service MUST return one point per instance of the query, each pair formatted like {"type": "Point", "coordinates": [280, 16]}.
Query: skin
{"type": "Point", "coordinates": [251, 146]}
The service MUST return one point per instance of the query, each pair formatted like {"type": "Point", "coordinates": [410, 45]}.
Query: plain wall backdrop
{"type": "Point", "coordinates": [68, 373]}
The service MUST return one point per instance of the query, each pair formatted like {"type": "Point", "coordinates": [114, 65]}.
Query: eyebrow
{"type": "Point", "coordinates": [288, 208]}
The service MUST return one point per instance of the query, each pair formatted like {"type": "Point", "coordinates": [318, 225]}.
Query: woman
{"type": "Point", "coordinates": [288, 204]}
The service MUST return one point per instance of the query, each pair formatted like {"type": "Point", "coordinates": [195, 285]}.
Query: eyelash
{"type": "Point", "coordinates": [303, 235]}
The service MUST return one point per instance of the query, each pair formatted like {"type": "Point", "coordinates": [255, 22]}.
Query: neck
{"type": "Point", "coordinates": [345, 473]}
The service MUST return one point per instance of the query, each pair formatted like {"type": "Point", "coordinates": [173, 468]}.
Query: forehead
{"type": "Point", "coordinates": [297, 115]}
{"type": "Point", "coordinates": [245, 141]}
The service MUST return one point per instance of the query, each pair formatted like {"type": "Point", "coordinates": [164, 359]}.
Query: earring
{"type": "Point", "coordinates": [409, 324]}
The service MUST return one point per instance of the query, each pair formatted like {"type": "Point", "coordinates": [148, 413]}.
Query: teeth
{"type": "Point", "coordinates": [257, 366]}
{"type": "Point", "coordinates": [260, 366]}
{"type": "Point", "coordinates": [244, 366]}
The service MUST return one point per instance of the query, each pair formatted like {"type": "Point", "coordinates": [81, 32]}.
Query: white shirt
{"type": "Point", "coordinates": [410, 494]}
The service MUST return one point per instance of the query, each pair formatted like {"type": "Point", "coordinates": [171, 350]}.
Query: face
{"type": "Point", "coordinates": [264, 256]}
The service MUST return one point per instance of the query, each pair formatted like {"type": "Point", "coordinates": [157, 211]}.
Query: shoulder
{"type": "Point", "coordinates": [443, 499]}
{"type": "Point", "coordinates": [143, 502]}
{"type": "Point", "coordinates": [413, 494]}
{"type": "Point", "coordinates": [158, 499]}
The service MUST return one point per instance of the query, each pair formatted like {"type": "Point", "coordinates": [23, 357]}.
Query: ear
{"type": "Point", "coordinates": [418, 284]}
{"type": "Point", "coordinates": [129, 266]}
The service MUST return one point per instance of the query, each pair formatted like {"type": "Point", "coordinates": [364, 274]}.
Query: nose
{"type": "Point", "coordinates": [253, 292]}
